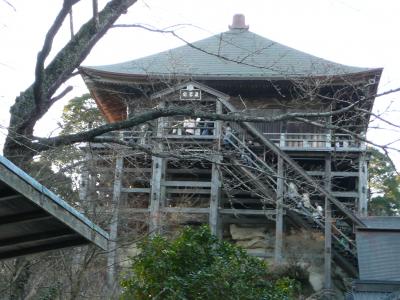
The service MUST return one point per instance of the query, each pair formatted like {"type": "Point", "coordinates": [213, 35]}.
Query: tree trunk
{"type": "Point", "coordinates": [28, 109]}
{"type": "Point", "coordinates": [36, 100]}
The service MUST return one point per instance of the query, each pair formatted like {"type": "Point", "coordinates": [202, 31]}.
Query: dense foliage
{"type": "Point", "coordinates": [81, 113]}
{"type": "Point", "coordinates": [196, 265]}
{"type": "Point", "coordinates": [59, 168]}
{"type": "Point", "coordinates": [385, 186]}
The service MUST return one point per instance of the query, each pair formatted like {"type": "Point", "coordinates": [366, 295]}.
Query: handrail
{"type": "Point", "coordinates": [310, 213]}
{"type": "Point", "coordinates": [243, 149]}
{"type": "Point", "coordinates": [313, 140]}
{"type": "Point", "coordinates": [287, 159]}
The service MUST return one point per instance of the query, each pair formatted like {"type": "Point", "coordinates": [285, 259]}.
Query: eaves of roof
{"type": "Point", "coordinates": [235, 54]}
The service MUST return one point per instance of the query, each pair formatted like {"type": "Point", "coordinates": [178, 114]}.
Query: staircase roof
{"type": "Point", "coordinates": [34, 219]}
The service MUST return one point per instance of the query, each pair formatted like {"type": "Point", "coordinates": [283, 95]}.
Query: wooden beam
{"type": "Point", "coordinates": [113, 227]}
{"type": "Point", "coordinates": [188, 191]}
{"type": "Point", "coordinates": [195, 171]}
{"type": "Point", "coordinates": [215, 198]}
{"type": "Point", "coordinates": [186, 210]}
{"type": "Point", "coordinates": [334, 174]}
{"type": "Point", "coordinates": [36, 238]}
{"type": "Point", "coordinates": [22, 218]}
{"type": "Point", "coordinates": [12, 198]}
{"type": "Point", "coordinates": [328, 227]}
{"type": "Point", "coordinates": [249, 212]}
{"type": "Point", "coordinates": [362, 186]}
{"type": "Point", "coordinates": [130, 210]}
{"type": "Point", "coordinates": [345, 194]}
{"type": "Point", "coordinates": [157, 195]}
{"type": "Point", "coordinates": [203, 210]}
{"type": "Point", "coordinates": [68, 242]}
{"type": "Point", "coordinates": [194, 138]}
{"type": "Point", "coordinates": [136, 190]}
{"type": "Point", "coordinates": [279, 213]}
{"type": "Point", "coordinates": [187, 183]}
{"type": "Point", "coordinates": [136, 170]}
{"type": "Point", "coordinates": [344, 174]}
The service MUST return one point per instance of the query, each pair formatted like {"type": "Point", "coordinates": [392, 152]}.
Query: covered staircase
{"type": "Point", "coordinates": [263, 176]}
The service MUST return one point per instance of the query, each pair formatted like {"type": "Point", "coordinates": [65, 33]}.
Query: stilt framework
{"type": "Point", "coordinates": [231, 175]}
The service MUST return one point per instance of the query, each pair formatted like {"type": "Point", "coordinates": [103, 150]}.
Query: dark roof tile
{"type": "Point", "coordinates": [233, 54]}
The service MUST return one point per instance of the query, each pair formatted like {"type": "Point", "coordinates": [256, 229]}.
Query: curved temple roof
{"type": "Point", "coordinates": [237, 53]}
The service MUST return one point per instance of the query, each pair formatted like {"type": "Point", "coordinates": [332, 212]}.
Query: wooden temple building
{"type": "Point", "coordinates": [301, 166]}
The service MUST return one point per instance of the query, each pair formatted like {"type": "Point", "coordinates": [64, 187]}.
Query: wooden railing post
{"type": "Point", "coordinates": [282, 140]}
{"type": "Point", "coordinates": [328, 142]}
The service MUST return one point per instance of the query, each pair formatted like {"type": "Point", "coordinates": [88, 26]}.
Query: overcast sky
{"type": "Point", "coordinates": [354, 32]}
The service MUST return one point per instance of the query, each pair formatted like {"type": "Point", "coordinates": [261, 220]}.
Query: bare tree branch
{"type": "Point", "coordinates": [95, 13]}
{"type": "Point", "coordinates": [62, 94]}
{"type": "Point", "coordinates": [44, 53]}
{"type": "Point", "coordinates": [46, 143]}
{"type": "Point", "coordinates": [10, 5]}
{"type": "Point", "coordinates": [25, 113]}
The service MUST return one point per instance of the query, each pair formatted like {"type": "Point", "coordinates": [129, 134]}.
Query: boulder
{"type": "Point", "coordinates": [316, 278]}
{"type": "Point", "coordinates": [257, 242]}
{"type": "Point", "coordinates": [246, 233]}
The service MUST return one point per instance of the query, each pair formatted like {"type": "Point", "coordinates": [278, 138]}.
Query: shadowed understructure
{"type": "Point", "coordinates": [302, 165]}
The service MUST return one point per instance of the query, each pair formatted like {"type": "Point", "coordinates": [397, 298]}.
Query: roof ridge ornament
{"type": "Point", "coordinates": [239, 22]}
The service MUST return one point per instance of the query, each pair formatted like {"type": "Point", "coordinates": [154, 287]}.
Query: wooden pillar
{"type": "Point", "coordinates": [362, 186]}
{"type": "Point", "coordinates": [85, 179]}
{"type": "Point", "coordinates": [279, 213]}
{"type": "Point", "coordinates": [113, 227]}
{"type": "Point", "coordinates": [86, 190]}
{"type": "Point", "coordinates": [215, 198]}
{"type": "Point", "coordinates": [328, 227]}
{"type": "Point", "coordinates": [157, 196]}
{"type": "Point", "coordinates": [218, 124]}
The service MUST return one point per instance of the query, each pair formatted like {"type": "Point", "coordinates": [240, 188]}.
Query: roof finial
{"type": "Point", "coordinates": [239, 22]}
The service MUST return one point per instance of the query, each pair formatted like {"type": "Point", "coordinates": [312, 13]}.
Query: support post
{"type": "Point", "coordinates": [113, 227]}
{"type": "Point", "coordinates": [157, 196]}
{"type": "Point", "coordinates": [362, 186]}
{"type": "Point", "coordinates": [279, 213]}
{"type": "Point", "coordinates": [218, 124]}
{"type": "Point", "coordinates": [86, 190]}
{"type": "Point", "coordinates": [87, 185]}
{"type": "Point", "coordinates": [215, 197]}
{"type": "Point", "coordinates": [328, 227]}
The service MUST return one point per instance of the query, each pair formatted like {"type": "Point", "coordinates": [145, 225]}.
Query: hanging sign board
{"type": "Point", "coordinates": [190, 94]}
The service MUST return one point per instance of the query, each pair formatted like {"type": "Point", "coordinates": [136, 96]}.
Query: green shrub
{"type": "Point", "coordinates": [196, 265]}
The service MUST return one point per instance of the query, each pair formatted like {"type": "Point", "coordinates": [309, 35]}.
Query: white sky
{"type": "Point", "coordinates": [354, 32]}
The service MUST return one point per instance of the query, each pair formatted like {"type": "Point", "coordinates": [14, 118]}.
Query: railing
{"type": "Point", "coordinates": [137, 136]}
{"type": "Point", "coordinates": [190, 128]}
{"type": "Point", "coordinates": [251, 160]}
{"type": "Point", "coordinates": [256, 165]}
{"type": "Point", "coordinates": [207, 130]}
{"type": "Point", "coordinates": [314, 141]}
